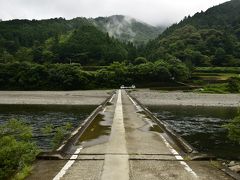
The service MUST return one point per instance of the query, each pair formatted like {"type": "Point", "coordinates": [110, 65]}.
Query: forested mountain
{"type": "Point", "coordinates": [97, 41]}
{"type": "Point", "coordinates": [51, 54]}
{"type": "Point", "coordinates": [126, 29]}
{"type": "Point", "coordinates": [54, 54]}
{"type": "Point", "coordinates": [207, 38]}
{"type": "Point", "coordinates": [60, 41]}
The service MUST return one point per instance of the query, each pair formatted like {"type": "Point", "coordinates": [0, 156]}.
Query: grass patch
{"type": "Point", "coordinates": [234, 70]}
{"type": "Point", "coordinates": [216, 164]}
{"type": "Point", "coordinates": [214, 88]}
{"type": "Point", "coordinates": [23, 173]}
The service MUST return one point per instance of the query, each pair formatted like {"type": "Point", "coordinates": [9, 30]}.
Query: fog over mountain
{"type": "Point", "coordinates": [155, 12]}
{"type": "Point", "coordinates": [126, 28]}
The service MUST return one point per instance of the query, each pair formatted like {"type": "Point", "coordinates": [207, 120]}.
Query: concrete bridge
{"type": "Point", "coordinates": [124, 142]}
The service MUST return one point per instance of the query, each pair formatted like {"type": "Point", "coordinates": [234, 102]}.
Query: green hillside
{"type": "Point", "coordinates": [59, 41]}
{"type": "Point", "coordinates": [210, 38]}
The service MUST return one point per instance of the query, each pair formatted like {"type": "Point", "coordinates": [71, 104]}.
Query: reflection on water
{"type": "Point", "coordinates": [38, 116]}
{"type": "Point", "coordinates": [98, 131]}
{"type": "Point", "coordinates": [202, 127]}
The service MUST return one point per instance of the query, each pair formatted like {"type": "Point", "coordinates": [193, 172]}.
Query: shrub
{"type": "Point", "coordinates": [17, 152]}
{"type": "Point", "coordinates": [234, 129]}
{"type": "Point", "coordinates": [234, 84]}
{"type": "Point", "coordinates": [58, 133]}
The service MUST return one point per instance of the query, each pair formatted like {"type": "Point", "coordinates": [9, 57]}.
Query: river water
{"type": "Point", "coordinates": [38, 116]}
{"type": "Point", "coordinates": [202, 127]}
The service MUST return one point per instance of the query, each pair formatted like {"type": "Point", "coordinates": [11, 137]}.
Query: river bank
{"type": "Point", "coordinates": [91, 97]}
{"type": "Point", "coordinates": [154, 97]}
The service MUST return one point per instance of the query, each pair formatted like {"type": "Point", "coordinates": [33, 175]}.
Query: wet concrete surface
{"type": "Point", "coordinates": [46, 169]}
{"type": "Point", "coordinates": [85, 170]}
{"type": "Point", "coordinates": [149, 155]}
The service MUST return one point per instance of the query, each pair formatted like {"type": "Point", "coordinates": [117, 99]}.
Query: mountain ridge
{"type": "Point", "coordinates": [210, 38]}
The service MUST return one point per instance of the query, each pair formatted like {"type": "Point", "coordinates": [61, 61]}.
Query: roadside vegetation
{"type": "Point", "coordinates": [224, 70]}
{"type": "Point", "coordinates": [58, 134]}
{"type": "Point", "coordinates": [28, 76]}
{"type": "Point", "coordinates": [233, 128]}
{"type": "Point", "coordinates": [17, 151]}
{"type": "Point", "coordinates": [216, 79]}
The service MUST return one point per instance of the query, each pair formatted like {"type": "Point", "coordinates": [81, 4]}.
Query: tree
{"type": "Point", "coordinates": [139, 60]}
{"type": "Point", "coordinates": [219, 58]}
{"type": "Point", "coordinates": [6, 57]}
{"type": "Point", "coordinates": [234, 84]}
{"type": "Point", "coordinates": [24, 54]}
{"type": "Point", "coordinates": [233, 128]}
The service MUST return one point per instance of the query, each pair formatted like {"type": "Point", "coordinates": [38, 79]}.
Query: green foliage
{"type": "Point", "coordinates": [234, 84]}
{"type": "Point", "coordinates": [27, 76]}
{"type": "Point", "coordinates": [48, 129]}
{"type": "Point", "coordinates": [102, 47]}
{"type": "Point", "coordinates": [214, 88]}
{"type": "Point", "coordinates": [139, 60]}
{"type": "Point", "coordinates": [235, 70]}
{"type": "Point", "coordinates": [207, 38]}
{"type": "Point", "coordinates": [233, 128]}
{"type": "Point", "coordinates": [59, 133]}
{"type": "Point", "coordinates": [60, 41]}
{"type": "Point", "coordinates": [16, 129]}
{"type": "Point", "coordinates": [17, 151]}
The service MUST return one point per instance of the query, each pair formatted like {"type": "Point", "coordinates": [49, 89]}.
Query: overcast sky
{"type": "Point", "coordinates": [155, 12]}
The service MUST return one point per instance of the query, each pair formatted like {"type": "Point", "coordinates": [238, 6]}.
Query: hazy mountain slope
{"type": "Point", "coordinates": [128, 29]}
{"type": "Point", "coordinates": [59, 40]}
{"type": "Point", "coordinates": [207, 38]}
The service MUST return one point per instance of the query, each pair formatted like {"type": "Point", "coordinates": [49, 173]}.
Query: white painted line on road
{"type": "Point", "coordinates": [132, 100]}
{"type": "Point", "coordinates": [112, 98]}
{"type": "Point", "coordinates": [68, 165]}
{"type": "Point", "coordinates": [104, 109]}
{"type": "Point", "coordinates": [139, 108]}
{"type": "Point", "coordinates": [173, 151]}
{"type": "Point", "coordinates": [178, 157]}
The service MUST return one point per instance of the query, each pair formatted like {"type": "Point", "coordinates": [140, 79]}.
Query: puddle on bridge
{"type": "Point", "coordinates": [156, 128]}
{"type": "Point", "coordinates": [38, 116]}
{"type": "Point", "coordinates": [99, 130]}
{"type": "Point", "coordinates": [202, 127]}
{"type": "Point", "coordinates": [150, 125]}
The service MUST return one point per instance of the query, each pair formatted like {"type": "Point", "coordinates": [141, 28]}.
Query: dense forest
{"type": "Point", "coordinates": [59, 41]}
{"type": "Point", "coordinates": [52, 54]}
{"type": "Point", "coordinates": [210, 38]}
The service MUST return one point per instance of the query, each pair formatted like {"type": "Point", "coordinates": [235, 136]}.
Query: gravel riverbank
{"type": "Point", "coordinates": [154, 97]}
{"type": "Point", "coordinates": [92, 97]}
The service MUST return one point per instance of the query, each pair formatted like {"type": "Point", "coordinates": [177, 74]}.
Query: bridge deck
{"type": "Point", "coordinates": [124, 144]}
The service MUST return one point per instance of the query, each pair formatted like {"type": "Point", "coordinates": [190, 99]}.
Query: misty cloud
{"type": "Point", "coordinates": [156, 12]}
{"type": "Point", "coordinates": [117, 27]}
